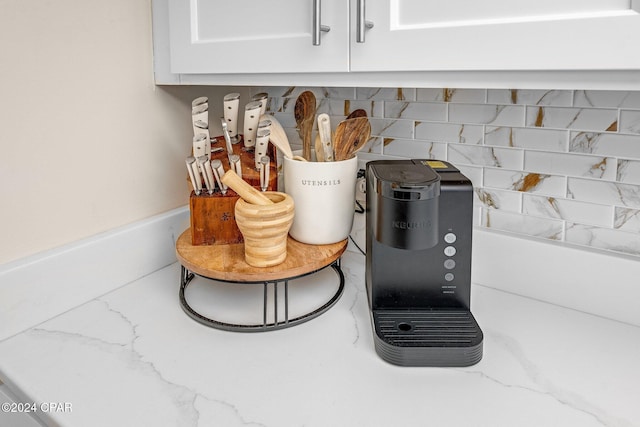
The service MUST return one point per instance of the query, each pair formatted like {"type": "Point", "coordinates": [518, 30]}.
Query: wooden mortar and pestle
{"type": "Point", "coordinates": [264, 219]}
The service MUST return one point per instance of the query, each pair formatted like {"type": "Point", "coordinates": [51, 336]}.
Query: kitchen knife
{"type": "Point", "coordinates": [210, 184]}
{"type": "Point", "coordinates": [200, 143]}
{"type": "Point", "coordinates": [251, 122]}
{"type": "Point", "coordinates": [200, 127]}
{"type": "Point", "coordinates": [324, 130]}
{"type": "Point", "coordinates": [262, 98]}
{"type": "Point", "coordinates": [236, 165]}
{"type": "Point", "coordinates": [262, 142]}
{"type": "Point", "coordinates": [199, 101]}
{"type": "Point", "coordinates": [218, 173]}
{"type": "Point", "coordinates": [209, 173]}
{"type": "Point", "coordinates": [194, 174]}
{"type": "Point", "coordinates": [264, 173]}
{"type": "Point", "coordinates": [200, 114]}
{"type": "Point", "coordinates": [231, 102]}
{"type": "Point", "coordinates": [227, 138]}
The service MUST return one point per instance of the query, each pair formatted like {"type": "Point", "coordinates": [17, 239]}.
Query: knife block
{"type": "Point", "coordinates": [213, 219]}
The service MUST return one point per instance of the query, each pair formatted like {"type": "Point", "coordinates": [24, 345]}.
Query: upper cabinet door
{"type": "Point", "coordinates": [414, 35]}
{"type": "Point", "coordinates": [250, 36]}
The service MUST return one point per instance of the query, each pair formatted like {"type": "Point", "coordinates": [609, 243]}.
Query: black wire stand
{"type": "Point", "coordinates": [187, 276]}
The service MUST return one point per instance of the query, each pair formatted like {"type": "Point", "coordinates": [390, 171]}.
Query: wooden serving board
{"type": "Point", "coordinates": [213, 215]}
{"type": "Point", "coordinates": [226, 262]}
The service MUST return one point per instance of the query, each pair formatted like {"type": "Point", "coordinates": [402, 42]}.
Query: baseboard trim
{"type": "Point", "coordinates": [39, 287]}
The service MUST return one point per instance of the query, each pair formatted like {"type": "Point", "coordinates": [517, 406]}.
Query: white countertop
{"type": "Point", "coordinates": [132, 357]}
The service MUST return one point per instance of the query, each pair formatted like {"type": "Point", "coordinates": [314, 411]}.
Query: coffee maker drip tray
{"type": "Point", "coordinates": [427, 337]}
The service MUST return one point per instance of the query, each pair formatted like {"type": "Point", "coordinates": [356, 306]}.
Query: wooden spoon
{"type": "Point", "coordinates": [351, 135]}
{"type": "Point", "coordinates": [357, 113]}
{"type": "Point", "coordinates": [305, 112]}
{"type": "Point", "coordinates": [278, 136]}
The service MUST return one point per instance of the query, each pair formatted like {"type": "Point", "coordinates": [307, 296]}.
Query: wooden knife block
{"type": "Point", "coordinates": [213, 219]}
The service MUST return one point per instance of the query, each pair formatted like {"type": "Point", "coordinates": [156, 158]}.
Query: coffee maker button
{"type": "Point", "coordinates": [449, 251]}
{"type": "Point", "coordinates": [449, 264]}
{"type": "Point", "coordinates": [448, 277]}
{"type": "Point", "coordinates": [450, 238]}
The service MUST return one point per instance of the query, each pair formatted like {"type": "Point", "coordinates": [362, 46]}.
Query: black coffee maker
{"type": "Point", "coordinates": [418, 263]}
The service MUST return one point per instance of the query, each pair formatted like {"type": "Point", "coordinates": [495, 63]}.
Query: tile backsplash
{"type": "Point", "coordinates": [562, 165]}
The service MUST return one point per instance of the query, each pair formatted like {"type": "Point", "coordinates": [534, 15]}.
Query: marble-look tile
{"type": "Point", "coordinates": [530, 97]}
{"type": "Point", "coordinates": [570, 164]}
{"type": "Point", "coordinates": [338, 109]}
{"type": "Point", "coordinates": [607, 144]}
{"type": "Point", "coordinates": [294, 91]}
{"type": "Point", "coordinates": [484, 156]}
{"type": "Point", "coordinates": [474, 173]}
{"type": "Point", "coordinates": [627, 219]}
{"type": "Point", "coordinates": [606, 98]}
{"type": "Point", "coordinates": [415, 110]}
{"type": "Point", "coordinates": [475, 96]}
{"type": "Point", "coordinates": [570, 210]}
{"type": "Point", "coordinates": [522, 224]}
{"type": "Point", "coordinates": [386, 94]}
{"type": "Point", "coordinates": [531, 182]}
{"type": "Point", "coordinates": [392, 128]}
{"type": "Point", "coordinates": [528, 138]}
{"type": "Point", "coordinates": [630, 121]}
{"type": "Point", "coordinates": [602, 238]}
{"type": "Point", "coordinates": [497, 115]}
{"type": "Point", "coordinates": [628, 171]}
{"type": "Point", "coordinates": [591, 119]}
{"type": "Point", "coordinates": [602, 192]}
{"type": "Point", "coordinates": [492, 198]}
{"type": "Point", "coordinates": [414, 148]}
{"type": "Point", "coordinates": [449, 132]}
{"type": "Point", "coordinates": [373, 146]}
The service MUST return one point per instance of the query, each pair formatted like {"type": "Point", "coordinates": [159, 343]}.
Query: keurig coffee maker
{"type": "Point", "coordinates": [418, 263]}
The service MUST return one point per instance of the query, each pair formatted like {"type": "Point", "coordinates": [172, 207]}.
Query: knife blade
{"type": "Point", "coordinates": [231, 102]}
{"type": "Point", "coordinates": [251, 122]}
{"type": "Point", "coordinates": [194, 174]}
{"type": "Point", "coordinates": [324, 130]}
{"type": "Point", "coordinates": [262, 142]}
{"type": "Point", "coordinates": [227, 138]}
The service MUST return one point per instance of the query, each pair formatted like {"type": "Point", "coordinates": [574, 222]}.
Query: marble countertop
{"type": "Point", "coordinates": [132, 357]}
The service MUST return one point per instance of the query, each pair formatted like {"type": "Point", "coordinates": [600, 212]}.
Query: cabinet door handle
{"type": "Point", "coordinates": [317, 27]}
{"type": "Point", "coordinates": [361, 23]}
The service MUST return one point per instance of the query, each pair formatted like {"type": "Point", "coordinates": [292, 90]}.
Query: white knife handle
{"type": "Point", "coordinates": [231, 104]}
{"type": "Point", "coordinates": [251, 121]}
{"type": "Point", "coordinates": [218, 173]}
{"type": "Point", "coordinates": [262, 98]}
{"type": "Point", "coordinates": [264, 173]}
{"type": "Point", "coordinates": [199, 101]}
{"type": "Point", "coordinates": [194, 175]}
{"type": "Point", "coordinates": [324, 130]}
{"type": "Point", "coordinates": [200, 145]}
{"type": "Point", "coordinates": [200, 114]}
{"type": "Point", "coordinates": [236, 165]}
{"type": "Point", "coordinates": [262, 142]}
{"type": "Point", "coordinates": [209, 184]}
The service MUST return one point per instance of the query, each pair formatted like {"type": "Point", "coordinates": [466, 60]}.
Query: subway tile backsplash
{"type": "Point", "coordinates": [553, 164]}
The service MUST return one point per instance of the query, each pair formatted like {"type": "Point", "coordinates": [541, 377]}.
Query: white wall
{"type": "Point", "coordinates": [87, 141]}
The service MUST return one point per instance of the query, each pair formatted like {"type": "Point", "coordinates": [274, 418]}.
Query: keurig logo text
{"type": "Point", "coordinates": [411, 225]}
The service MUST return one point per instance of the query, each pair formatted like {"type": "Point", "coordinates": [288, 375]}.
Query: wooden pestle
{"type": "Point", "coordinates": [244, 190]}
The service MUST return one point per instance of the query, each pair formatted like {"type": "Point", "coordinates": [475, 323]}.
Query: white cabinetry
{"type": "Point", "coordinates": [488, 43]}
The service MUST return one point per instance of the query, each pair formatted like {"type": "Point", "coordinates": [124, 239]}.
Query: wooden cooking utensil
{"type": "Point", "coordinates": [278, 136]}
{"type": "Point", "coordinates": [305, 113]}
{"type": "Point", "coordinates": [351, 135]}
{"type": "Point", "coordinates": [357, 113]}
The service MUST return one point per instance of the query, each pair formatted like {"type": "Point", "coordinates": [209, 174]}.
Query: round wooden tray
{"type": "Point", "coordinates": [226, 262]}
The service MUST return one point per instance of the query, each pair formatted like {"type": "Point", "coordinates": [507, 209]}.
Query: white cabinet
{"type": "Point", "coordinates": [248, 36]}
{"type": "Point", "coordinates": [488, 43]}
{"type": "Point", "coordinates": [415, 35]}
